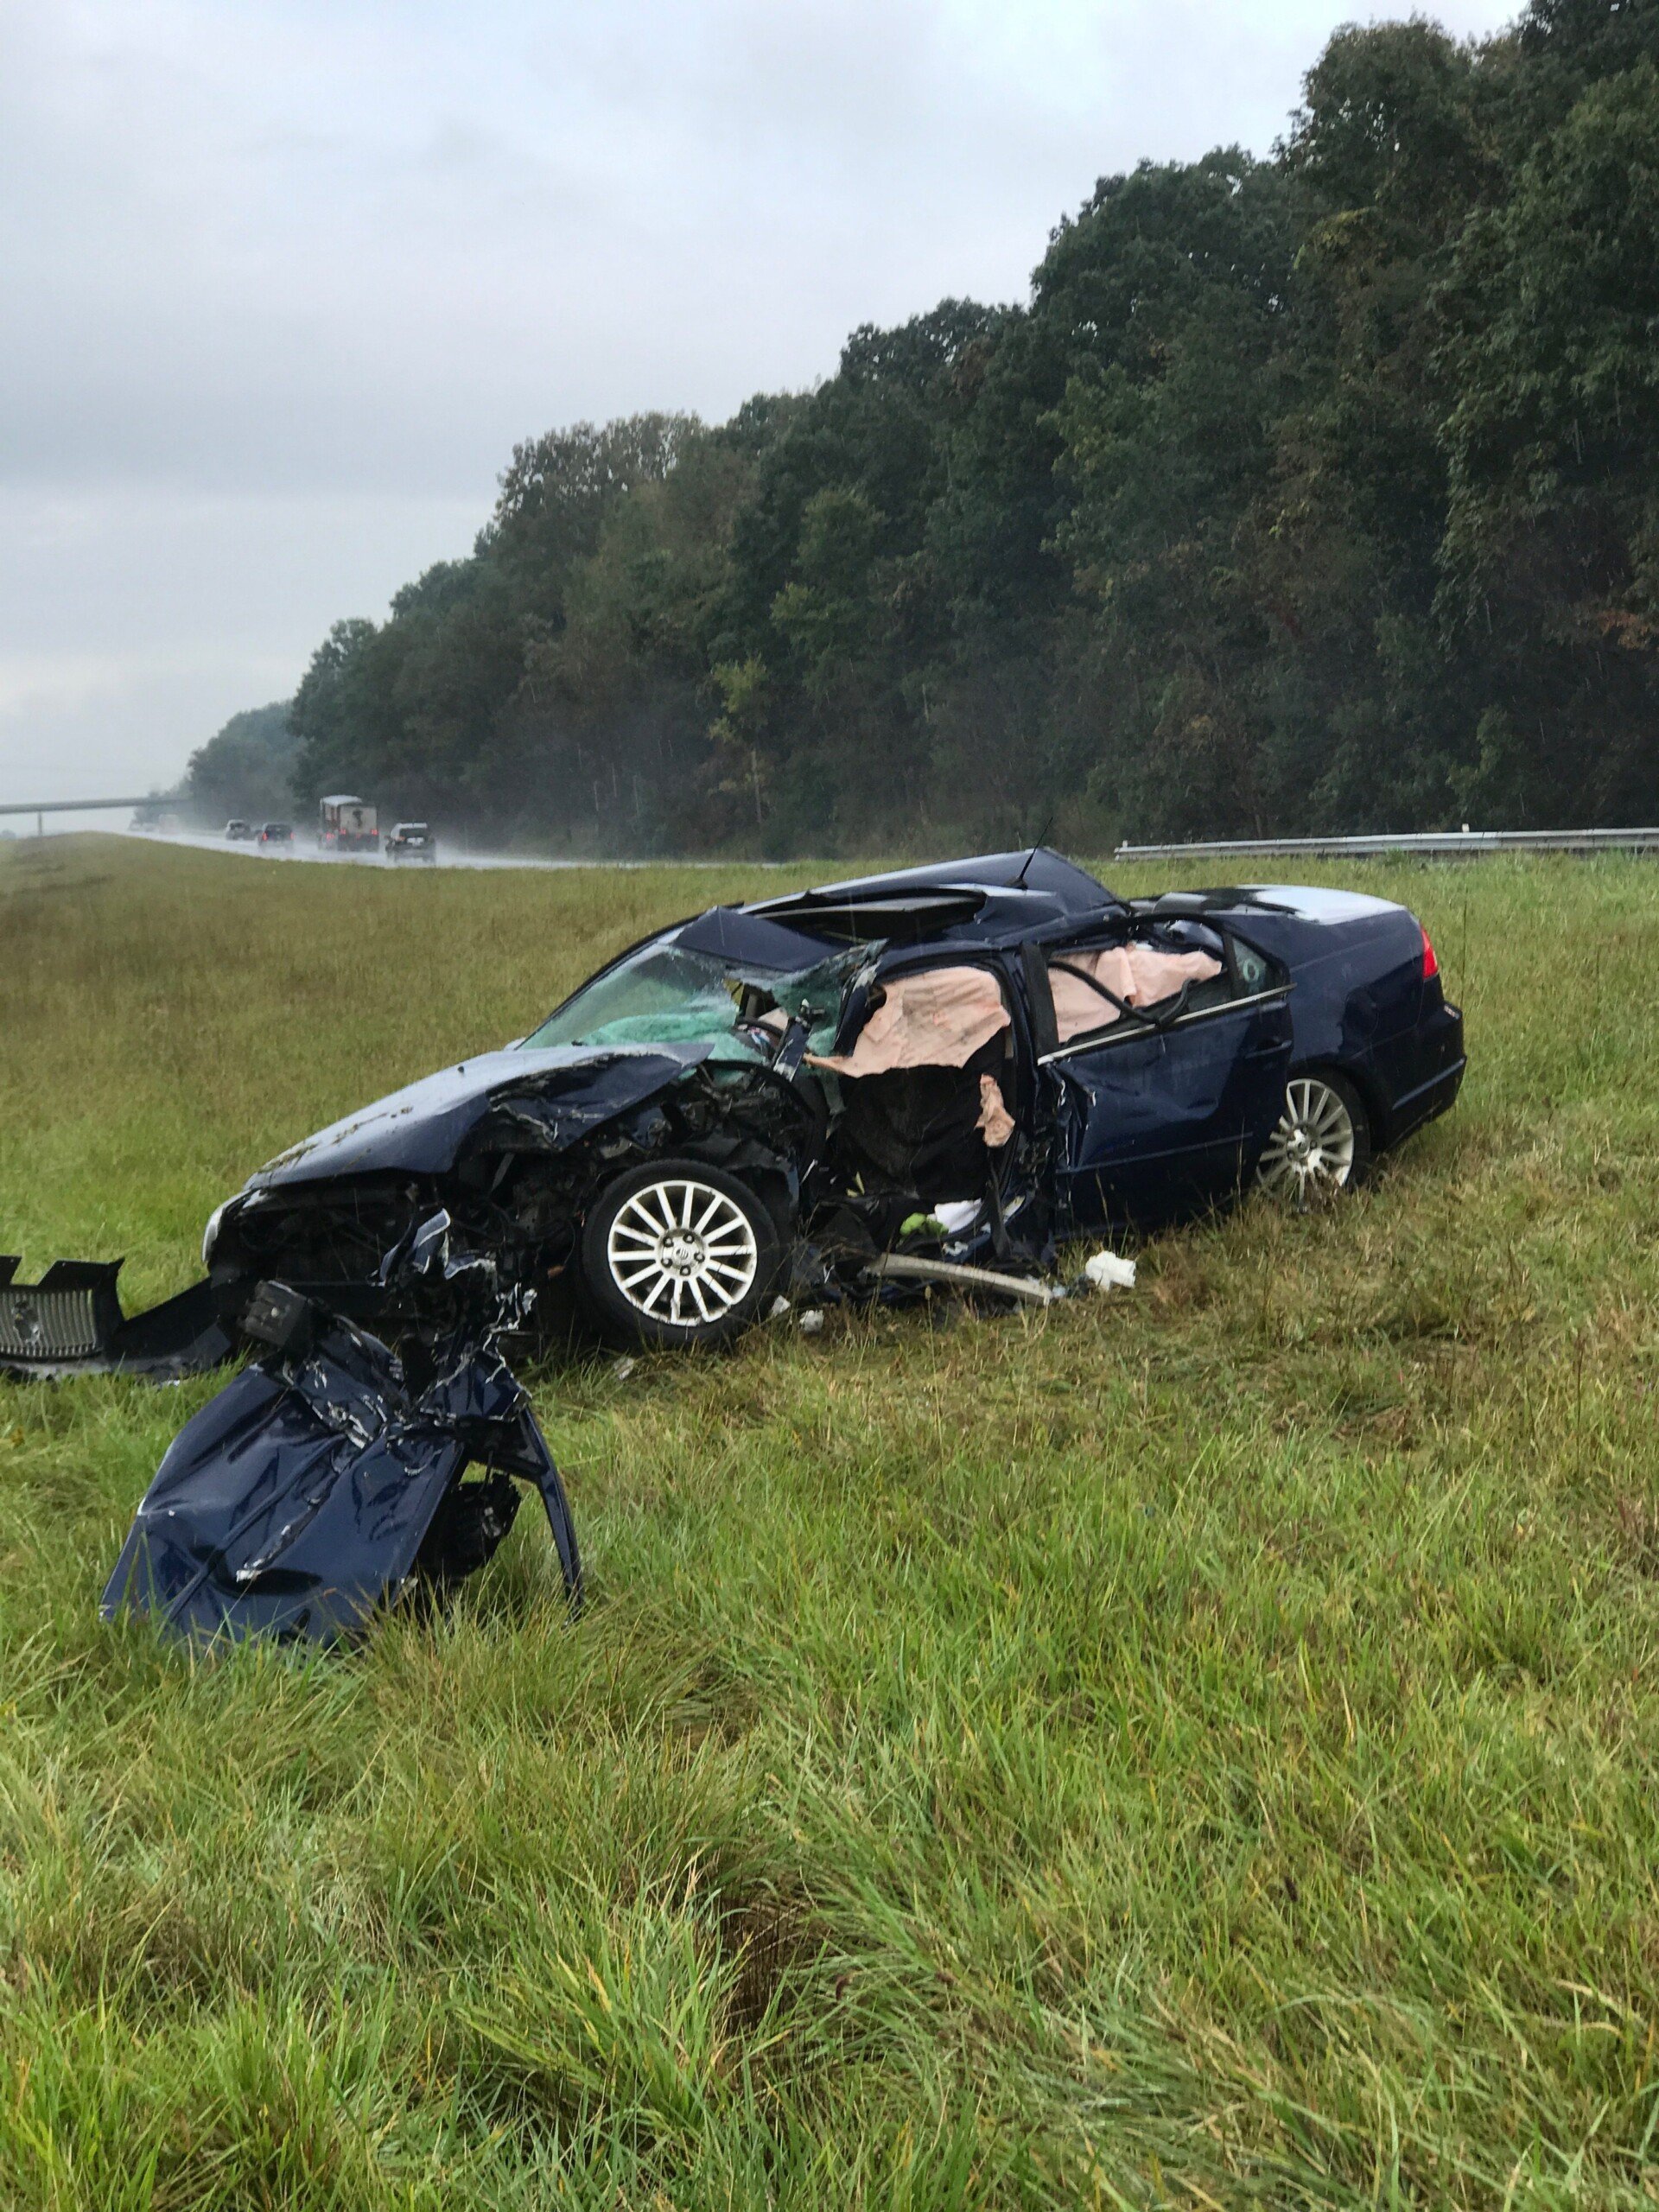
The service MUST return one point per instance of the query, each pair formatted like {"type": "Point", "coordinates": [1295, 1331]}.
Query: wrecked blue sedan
{"type": "Point", "coordinates": [970, 1062]}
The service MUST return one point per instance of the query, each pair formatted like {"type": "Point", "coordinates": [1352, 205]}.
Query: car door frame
{"type": "Point", "coordinates": [1151, 1181]}
{"type": "Point", "coordinates": [1001, 961]}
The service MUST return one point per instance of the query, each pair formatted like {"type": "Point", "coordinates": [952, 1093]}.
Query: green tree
{"type": "Point", "coordinates": [1552, 545]}
{"type": "Point", "coordinates": [1307, 492]}
{"type": "Point", "coordinates": [244, 770]}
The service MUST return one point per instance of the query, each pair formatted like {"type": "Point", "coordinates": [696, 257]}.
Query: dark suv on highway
{"type": "Point", "coordinates": [411, 841]}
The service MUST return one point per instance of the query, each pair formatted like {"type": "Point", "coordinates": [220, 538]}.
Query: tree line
{"type": "Point", "coordinates": [1305, 493]}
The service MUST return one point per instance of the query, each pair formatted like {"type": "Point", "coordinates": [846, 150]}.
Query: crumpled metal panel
{"type": "Point", "coordinates": [421, 1128]}
{"type": "Point", "coordinates": [324, 1477]}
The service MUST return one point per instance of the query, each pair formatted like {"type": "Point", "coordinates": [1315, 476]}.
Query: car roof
{"type": "Point", "coordinates": [1032, 867]}
{"type": "Point", "coordinates": [987, 898]}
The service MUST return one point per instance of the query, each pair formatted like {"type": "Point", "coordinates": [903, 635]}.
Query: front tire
{"type": "Point", "coordinates": [1322, 1144]}
{"type": "Point", "coordinates": [678, 1253]}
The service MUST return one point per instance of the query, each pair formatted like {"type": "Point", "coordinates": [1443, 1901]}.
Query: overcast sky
{"type": "Point", "coordinates": [284, 280]}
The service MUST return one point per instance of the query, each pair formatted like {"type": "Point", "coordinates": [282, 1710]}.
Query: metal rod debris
{"type": "Point", "coordinates": [901, 1267]}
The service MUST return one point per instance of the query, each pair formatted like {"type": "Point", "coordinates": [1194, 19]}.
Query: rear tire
{"type": "Point", "coordinates": [1321, 1145]}
{"type": "Point", "coordinates": [678, 1253]}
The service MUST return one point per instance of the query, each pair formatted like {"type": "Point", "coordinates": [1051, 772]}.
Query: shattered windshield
{"type": "Point", "coordinates": [668, 993]}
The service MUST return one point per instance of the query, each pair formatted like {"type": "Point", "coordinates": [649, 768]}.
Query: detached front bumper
{"type": "Point", "coordinates": [70, 1322]}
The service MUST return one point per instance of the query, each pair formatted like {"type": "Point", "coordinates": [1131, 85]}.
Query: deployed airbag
{"type": "Point", "coordinates": [995, 1123]}
{"type": "Point", "coordinates": [939, 1017]}
{"type": "Point", "coordinates": [1140, 975]}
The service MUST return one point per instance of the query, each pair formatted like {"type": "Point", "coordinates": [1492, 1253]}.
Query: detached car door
{"type": "Point", "coordinates": [1163, 1105]}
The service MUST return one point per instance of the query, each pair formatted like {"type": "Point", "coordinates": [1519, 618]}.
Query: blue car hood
{"type": "Point", "coordinates": [419, 1131]}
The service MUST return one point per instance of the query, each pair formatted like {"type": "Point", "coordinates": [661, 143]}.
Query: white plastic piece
{"type": "Point", "coordinates": [812, 1321]}
{"type": "Point", "coordinates": [958, 1214]}
{"type": "Point", "coordinates": [778, 1308]}
{"type": "Point", "coordinates": [623, 1368]}
{"type": "Point", "coordinates": [902, 1267]}
{"type": "Point", "coordinates": [1107, 1271]}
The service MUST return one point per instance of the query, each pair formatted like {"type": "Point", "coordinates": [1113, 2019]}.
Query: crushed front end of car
{"type": "Point", "coordinates": [519, 1172]}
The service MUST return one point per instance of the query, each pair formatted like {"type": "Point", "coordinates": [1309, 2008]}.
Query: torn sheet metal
{"type": "Point", "coordinates": [70, 1322]}
{"type": "Point", "coordinates": [329, 1474]}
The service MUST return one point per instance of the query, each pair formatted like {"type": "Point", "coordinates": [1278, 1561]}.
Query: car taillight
{"type": "Point", "coordinates": [1431, 965]}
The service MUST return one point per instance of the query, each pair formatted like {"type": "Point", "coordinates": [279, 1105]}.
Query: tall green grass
{"type": "Point", "coordinates": [1194, 1747]}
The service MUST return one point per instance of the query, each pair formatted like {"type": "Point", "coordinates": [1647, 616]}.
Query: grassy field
{"type": "Point", "coordinates": [1194, 1748]}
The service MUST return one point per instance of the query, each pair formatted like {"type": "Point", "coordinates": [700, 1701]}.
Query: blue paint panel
{"type": "Point", "coordinates": [1155, 1124]}
{"type": "Point", "coordinates": [419, 1129]}
{"type": "Point", "coordinates": [295, 1502]}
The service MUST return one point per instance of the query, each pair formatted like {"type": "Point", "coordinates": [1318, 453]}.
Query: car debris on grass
{"type": "Point", "coordinates": [932, 1079]}
{"type": "Point", "coordinates": [331, 1476]}
{"type": "Point", "coordinates": [965, 1067]}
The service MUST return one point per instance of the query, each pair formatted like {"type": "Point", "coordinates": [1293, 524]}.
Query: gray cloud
{"type": "Point", "coordinates": [285, 280]}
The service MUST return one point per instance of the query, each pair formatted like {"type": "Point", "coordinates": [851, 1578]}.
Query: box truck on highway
{"type": "Point", "coordinates": [348, 824]}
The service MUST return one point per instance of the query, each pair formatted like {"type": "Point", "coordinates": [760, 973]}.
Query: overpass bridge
{"type": "Point", "coordinates": [41, 808]}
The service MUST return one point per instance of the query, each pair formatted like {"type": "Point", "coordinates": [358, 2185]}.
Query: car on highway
{"type": "Point", "coordinates": [238, 831]}
{"type": "Point", "coordinates": [978, 1061]}
{"type": "Point", "coordinates": [411, 841]}
{"type": "Point", "coordinates": [277, 833]}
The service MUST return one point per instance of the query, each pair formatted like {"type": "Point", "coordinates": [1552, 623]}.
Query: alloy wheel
{"type": "Point", "coordinates": [1311, 1153]}
{"type": "Point", "coordinates": [681, 1251]}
